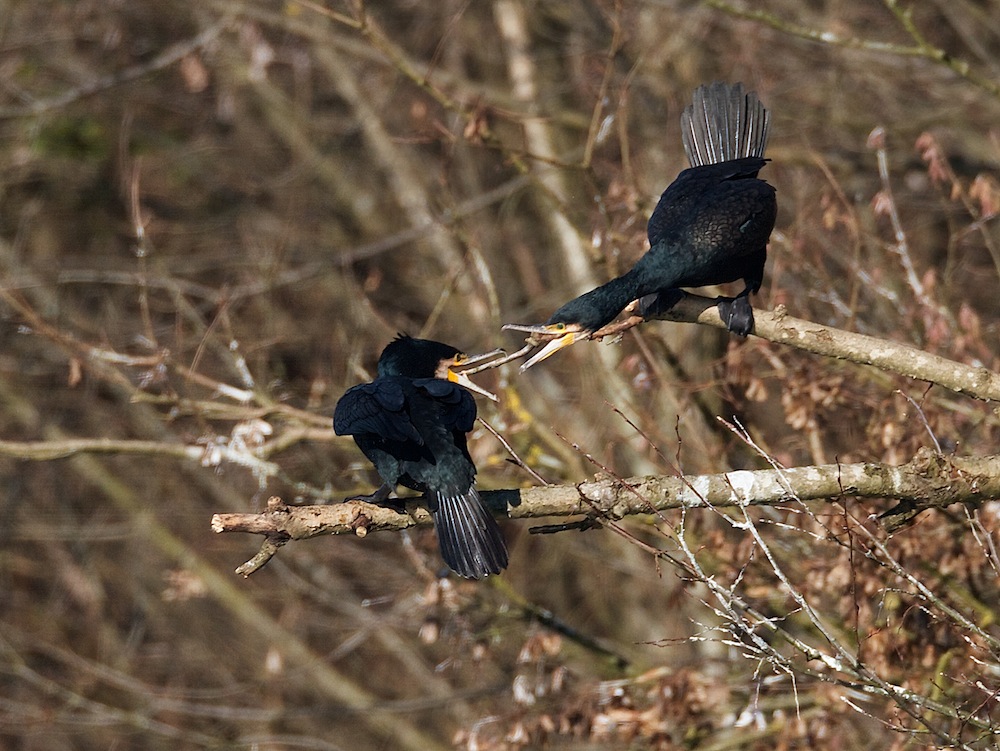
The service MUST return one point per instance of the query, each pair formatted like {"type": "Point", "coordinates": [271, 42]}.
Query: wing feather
{"type": "Point", "coordinates": [377, 408]}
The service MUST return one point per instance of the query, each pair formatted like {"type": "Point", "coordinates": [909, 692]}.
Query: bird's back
{"type": "Point", "coordinates": [705, 189]}
{"type": "Point", "coordinates": [711, 225]}
{"type": "Point", "coordinates": [412, 430]}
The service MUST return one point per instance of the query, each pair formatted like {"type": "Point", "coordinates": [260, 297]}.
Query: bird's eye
{"type": "Point", "coordinates": [559, 326]}
{"type": "Point", "coordinates": [460, 358]}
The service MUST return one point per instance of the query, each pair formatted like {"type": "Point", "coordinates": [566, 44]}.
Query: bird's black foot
{"type": "Point", "coordinates": [737, 314]}
{"type": "Point", "coordinates": [381, 498]}
{"type": "Point", "coordinates": [659, 303]}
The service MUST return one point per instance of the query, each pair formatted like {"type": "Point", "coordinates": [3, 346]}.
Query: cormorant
{"type": "Point", "coordinates": [411, 423]}
{"type": "Point", "coordinates": [710, 226]}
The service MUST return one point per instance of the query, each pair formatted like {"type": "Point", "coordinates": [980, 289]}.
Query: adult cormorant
{"type": "Point", "coordinates": [710, 226]}
{"type": "Point", "coordinates": [411, 423]}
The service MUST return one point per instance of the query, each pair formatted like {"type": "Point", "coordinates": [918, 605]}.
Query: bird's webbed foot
{"type": "Point", "coordinates": [736, 313]}
{"type": "Point", "coordinates": [381, 498]}
{"type": "Point", "coordinates": [659, 303]}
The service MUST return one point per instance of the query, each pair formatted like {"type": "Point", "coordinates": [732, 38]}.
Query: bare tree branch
{"type": "Point", "coordinates": [777, 326]}
{"type": "Point", "coordinates": [208, 453]}
{"type": "Point", "coordinates": [928, 480]}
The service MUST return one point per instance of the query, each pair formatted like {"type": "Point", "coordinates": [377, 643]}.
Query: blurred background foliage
{"type": "Point", "coordinates": [213, 217]}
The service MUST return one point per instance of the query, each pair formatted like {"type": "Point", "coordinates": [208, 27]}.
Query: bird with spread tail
{"type": "Point", "coordinates": [411, 423]}
{"type": "Point", "coordinates": [710, 226]}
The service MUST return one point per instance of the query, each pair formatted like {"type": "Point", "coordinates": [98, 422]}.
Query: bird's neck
{"type": "Point", "coordinates": [612, 297]}
{"type": "Point", "coordinates": [627, 287]}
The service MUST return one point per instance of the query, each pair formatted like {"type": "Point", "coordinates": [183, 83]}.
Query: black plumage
{"type": "Point", "coordinates": [710, 226]}
{"type": "Point", "coordinates": [411, 422]}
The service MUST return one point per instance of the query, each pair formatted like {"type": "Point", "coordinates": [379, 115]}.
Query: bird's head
{"type": "Point", "coordinates": [577, 320]}
{"type": "Point", "coordinates": [574, 322]}
{"type": "Point", "coordinates": [455, 369]}
{"type": "Point", "coordinates": [425, 358]}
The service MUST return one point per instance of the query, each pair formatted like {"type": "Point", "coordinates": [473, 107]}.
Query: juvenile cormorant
{"type": "Point", "coordinates": [710, 226]}
{"type": "Point", "coordinates": [411, 423]}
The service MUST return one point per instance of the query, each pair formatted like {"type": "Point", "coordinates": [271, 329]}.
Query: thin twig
{"type": "Point", "coordinates": [517, 460]}
{"type": "Point", "coordinates": [165, 59]}
{"type": "Point", "coordinates": [922, 48]}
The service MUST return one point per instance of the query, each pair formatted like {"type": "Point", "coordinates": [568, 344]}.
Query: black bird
{"type": "Point", "coordinates": [710, 226]}
{"type": "Point", "coordinates": [411, 423]}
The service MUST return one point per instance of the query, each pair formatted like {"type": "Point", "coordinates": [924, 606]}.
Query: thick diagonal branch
{"type": "Point", "coordinates": [893, 357]}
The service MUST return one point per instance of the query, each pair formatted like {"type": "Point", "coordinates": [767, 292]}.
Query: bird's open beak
{"type": "Point", "coordinates": [463, 380]}
{"type": "Point", "coordinates": [560, 342]}
{"type": "Point", "coordinates": [562, 339]}
{"type": "Point", "coordinates": [467, 363]}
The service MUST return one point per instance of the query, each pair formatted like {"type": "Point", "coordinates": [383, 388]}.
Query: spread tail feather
{"type": "Point", "coordinates": [723, 123]}
{"type": "Point", "coordinates": [470, 540]}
